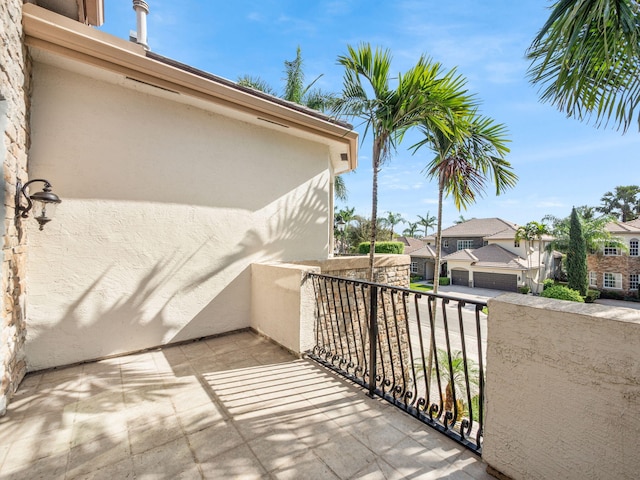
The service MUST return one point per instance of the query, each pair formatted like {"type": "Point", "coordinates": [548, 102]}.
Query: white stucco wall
{"type": "Point", "coordinates": [562, 389]}
{"type": "Point", "coordinates": [165, 207]}
{"type": "Point", "coordinates": [283, 304]}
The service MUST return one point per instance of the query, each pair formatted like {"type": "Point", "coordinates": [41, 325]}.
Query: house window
{"type": "Point", "coordinates": [633, 247]}
{"type": "Point", "coordinates": [609, 249]}
{"type": "Point", "coordinates": [414, 267]}
{"type": "Point", "coordinates": [462, 244]}
{"type": "Point", "coordinates": [613, 280]}
{"type": "Point", "coordinates": [593, 279]}
{"type": "Point", "coordinates": [634, 281]}
{"type": "Point", "coordinates": [445, 243]}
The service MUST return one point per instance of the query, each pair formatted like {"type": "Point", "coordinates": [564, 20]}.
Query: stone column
{"type": "Point", "coordinates": [14, 143]}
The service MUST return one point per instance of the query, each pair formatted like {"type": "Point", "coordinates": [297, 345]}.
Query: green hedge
{"type": "Point", "coordinates": [382, 247]}
{"type": "Point", "coordinates": [562, 293]}
{"type": "Point", "coordinates": [592, 296]}
{"type": "Point", "coordinates": [444, 281]}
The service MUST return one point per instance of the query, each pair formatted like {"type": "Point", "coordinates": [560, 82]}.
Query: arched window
{"type": "Point", "coordinates": [633, 247]}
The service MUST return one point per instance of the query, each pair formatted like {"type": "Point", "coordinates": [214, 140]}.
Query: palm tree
{"type": "Point", "coordinates": [460, 220]}
{"type": "Point", "coordinates": [531, 232]}
{"type": "Point", "coordinates": [411, 230]}
{"type": "Point", "coordinates": [586, 58]}
{"type": "Point", "coordinates": [294, 90]}
{"type": "Point", "coordinates": [347, 215]}
{"type": "Point", "coordinates": [473, 151]}
{"type": "Point", "coordinates": [340, 188]}
{"type": "Point", "coordinates": [427, 222]}
{"type": "Point", "coordinates": [423, 91]}
{"type": "Point", "coordinates": [392, 219]}
{"type": "Point", "coordinates": [594, 230]}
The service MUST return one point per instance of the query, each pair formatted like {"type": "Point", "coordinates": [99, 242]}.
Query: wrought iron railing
{"type": "Point", "coordinates": [420, 351]}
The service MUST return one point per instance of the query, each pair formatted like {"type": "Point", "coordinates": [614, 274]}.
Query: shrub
{"type": "Point", "coordinates": [612, 294]}
{"type": "Point", "coordinates": [562, 293]}
{"type": "Point", "coordinates": [524, 290]}
{"type": "Point", "coordinates": [444, 281]}
{"type": "Point", "coordinates": [549, 282]}
{"type": "Point", "coordinates": [415, 278]}
{"type": "Point", "coordinates": [592, 296]}
{"type": "Point", "coordinates": [382, 247]}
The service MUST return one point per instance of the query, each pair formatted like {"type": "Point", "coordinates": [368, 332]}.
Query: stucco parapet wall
{"type": "Point", "coordinates": [562, 389]}
{"type": "Point", "coordinates": [358, 263]}
{"type": "Point", "coordinates": [62, 36]}
{"type": "Point", "coordinates": [586, 311]}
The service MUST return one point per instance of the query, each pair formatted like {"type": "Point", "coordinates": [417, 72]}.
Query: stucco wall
{"type": "Point", "coordinates": [165, 207]}
{"type": "Point", "coordinates": [14, 140]}
{"type": "Point", "coordinates": [562, 389]}
{"type": "Point", "coordinates": [283, 304]}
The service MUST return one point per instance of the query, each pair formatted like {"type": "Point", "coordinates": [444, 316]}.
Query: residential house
{"type": "Point", "coordinates": [173, 183]}
{"type": "Point", "coordinates": [614, 268]}
{"type": "Point", "coordinates": [420, 265]}
{"type": "Point", "coordinates": [484, 253]}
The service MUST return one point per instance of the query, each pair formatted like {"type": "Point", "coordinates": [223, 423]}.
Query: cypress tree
{"type": "Point", "coordinates": [577, 256]}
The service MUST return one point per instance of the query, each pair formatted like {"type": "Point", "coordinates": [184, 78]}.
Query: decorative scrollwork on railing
{"type": "Point", "coordinates": [422, 352]}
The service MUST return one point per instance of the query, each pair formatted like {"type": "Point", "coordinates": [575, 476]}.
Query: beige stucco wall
{"type": "Point", "coordinates": [283, 304]}
{"type": "Point", "coordinates": [562, 389]}
{"type": "Point", "coordinates": [165, 207]}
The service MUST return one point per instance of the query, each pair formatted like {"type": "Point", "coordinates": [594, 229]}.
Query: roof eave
{"type": "Point", "coordinates": [60, 35]}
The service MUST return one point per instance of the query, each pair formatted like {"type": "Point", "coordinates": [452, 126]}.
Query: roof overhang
{"type": "Point", "coordinates": [61, 41]}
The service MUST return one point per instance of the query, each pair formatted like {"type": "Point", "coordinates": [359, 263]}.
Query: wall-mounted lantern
{"type": "Point", "coordinates": [43, 203]}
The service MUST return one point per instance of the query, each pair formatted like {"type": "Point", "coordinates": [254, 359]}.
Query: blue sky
{"type": "Point", "coordinates": [560, 162]}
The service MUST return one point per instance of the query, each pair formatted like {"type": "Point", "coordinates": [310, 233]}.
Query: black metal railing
{"type": "Point", "coordinates": [420, 351]}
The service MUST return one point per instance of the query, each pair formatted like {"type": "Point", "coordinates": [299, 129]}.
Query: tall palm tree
{"type": "Point", "coordinates": [411, 230]}
{"type": "Point", "coordinates": [427, 222]}
{"type": "Point", "coordinates": [531, 232]}
{"type": "Point", "coordinates": [586, 58]}
{"type": "Point", "coordinates": [340, 188]}
{"type": "Point", "coordinates": [393, 219]}
{"type": "Point", "coordinates": [423, 91]}
{"type": "Point", "coordinates": [471, 151]}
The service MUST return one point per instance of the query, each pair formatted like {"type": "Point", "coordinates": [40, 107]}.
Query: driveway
{"type": "Point", "coordinates": [479, 294]}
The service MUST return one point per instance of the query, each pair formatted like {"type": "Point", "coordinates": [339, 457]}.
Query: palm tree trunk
{"type": "Point", "coordinates": [374, 208]}
{"type": "Point", "coordinates": [436, 273]}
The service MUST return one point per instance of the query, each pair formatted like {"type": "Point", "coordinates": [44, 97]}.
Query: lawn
{"type": "Point", "coordinates": [421, 287]}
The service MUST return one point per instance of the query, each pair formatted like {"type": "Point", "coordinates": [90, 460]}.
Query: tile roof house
{"type": "Point", "coordinates": [615, 269]}
{"type": "Point", "coordinates": [483, 252]}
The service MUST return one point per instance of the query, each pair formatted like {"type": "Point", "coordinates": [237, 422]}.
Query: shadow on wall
{"type": "Point", "coordinates": [149, 149]}
{"type": "Point", "coordinates": [179, 297]}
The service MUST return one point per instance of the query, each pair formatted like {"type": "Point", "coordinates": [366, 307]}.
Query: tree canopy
{"type": "Point", "coordinates": [586, 59]}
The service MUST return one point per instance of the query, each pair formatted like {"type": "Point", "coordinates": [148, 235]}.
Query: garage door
{"type": "Point", "coordinates": [460, 277]}
{"type": "Point", "coordinates": [496, 281]}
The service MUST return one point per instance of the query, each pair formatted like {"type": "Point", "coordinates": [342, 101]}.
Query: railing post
{"type": "Point", "coordinates": [373, 337]}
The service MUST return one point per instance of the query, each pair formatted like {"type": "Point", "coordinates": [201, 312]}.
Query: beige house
{"type": "Point", "coordinates": [173, 182]}
{"type": "Point", "coordinates": [484, 253]}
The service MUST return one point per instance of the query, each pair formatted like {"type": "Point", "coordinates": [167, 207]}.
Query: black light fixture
{"type": "Point", "coordinates": [43, 203]}
{"type": "Point", "coordinates": [341, 224]}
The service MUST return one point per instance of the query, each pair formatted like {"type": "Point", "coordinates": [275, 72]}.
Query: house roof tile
{"type": "Point", "coordinates": [479, 227]}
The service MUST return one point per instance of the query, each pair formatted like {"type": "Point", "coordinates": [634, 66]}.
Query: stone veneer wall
{"type": "Point", "coordinates": [341, 327]}
{"type": "Point", "coordinates": [14, 108]}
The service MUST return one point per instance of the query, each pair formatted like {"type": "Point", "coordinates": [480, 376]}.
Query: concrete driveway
{"type": "Point", "coordinates": [478, 294]}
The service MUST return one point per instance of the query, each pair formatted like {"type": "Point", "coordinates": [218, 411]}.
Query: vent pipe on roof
{"type": "Point", "coordinates": [142, 10]}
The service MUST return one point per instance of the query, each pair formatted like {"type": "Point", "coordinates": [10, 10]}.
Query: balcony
{"type": "Point", "coordinates": [236, 406]}
{"type": "Point", "coordinates": [562, 393]}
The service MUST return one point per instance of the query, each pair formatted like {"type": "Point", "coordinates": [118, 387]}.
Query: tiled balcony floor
{"type": "Point", "coordinates": [229, 407]}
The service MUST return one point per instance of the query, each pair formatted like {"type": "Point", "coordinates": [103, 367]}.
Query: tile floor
{"type": "Point", "coordinates": [236, 406]}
